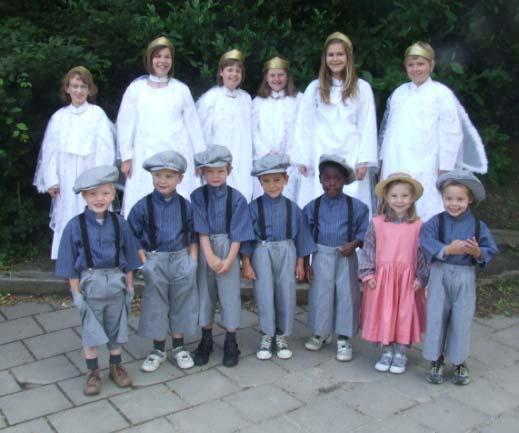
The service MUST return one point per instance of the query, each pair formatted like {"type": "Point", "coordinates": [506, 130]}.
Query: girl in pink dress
{"type": "Point", "coordinates": [395, 273]}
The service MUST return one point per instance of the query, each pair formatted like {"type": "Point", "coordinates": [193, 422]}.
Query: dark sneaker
{"type": "Point", "coordinates": [93, 383]}
{"type": "Point", "coordinates": [461, 375]}
{"type": "Point", "coordinates": [202, 352]}
{"type": "Point", "coordinates": [230, 353]}
{"type": "Point", "coordinates": [119, 376]}
{"type": "Point", "coordinates": [435, 375]}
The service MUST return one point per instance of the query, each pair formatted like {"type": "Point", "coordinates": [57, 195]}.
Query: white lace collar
{"type": "Point", "coordinates": [78, 110]}
{"type": "Point", "coordinates": [157, 79]}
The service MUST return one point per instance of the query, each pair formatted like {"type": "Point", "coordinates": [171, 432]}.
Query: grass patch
{"type": "Point", "coordinates": [501, 297]}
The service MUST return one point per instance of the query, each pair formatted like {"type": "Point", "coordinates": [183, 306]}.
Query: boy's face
{"type": "Point", "coordinates": [332, 179]}
{"type": "Point", "coordinates": [216, 176]}
{"type": "Point", "coordinates": [78, 91]}
{"type": "Point", "coordinates": [456, 199]}
{"type": "Point", "coordinates": [418, 69]}
{"type": "Point", "coordinates": [231, 76]}
{"type": "Point", "coordinates": [165, 181]}
{"type": "Point", "coordinates": [99, 198]}
{"type": "Point", "coordinates": [273, 183]}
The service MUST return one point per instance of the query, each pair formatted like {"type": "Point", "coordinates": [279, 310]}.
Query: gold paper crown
{"type": "Point", "coordinates": [276, 63]}
{"type": "Point", "coordinates": [233, 55]}
{"type": "Point", "coordinates": [340, 36]}
{"type": "Point", "coordinates": [161, 41]}
{"type": "Point", "coordinates": [417, 49]}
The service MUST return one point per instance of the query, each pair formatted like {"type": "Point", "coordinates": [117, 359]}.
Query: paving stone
{"type": "Point", "coordinates": [506, 424]}
{"type": "Point", "coordinates": [485, 350]}
{"type": "Point", "coordinates": [327, 414]}
{"type": "Point", "coordinates": [3, 421]}
{"type": "Point", "coordinates": [45, 372]}
{"type": "Point", "coordinates": [148, 403]}
{"type": "Point", "coordinates": [253, 372]}
{"type": "Point", "coordinates": [262, 402]}
{"type": "Point", "coordinates": [202, 387]}
{"type": "Point", "coordinates": [509, 336]}
{"type": "Point", "coordinates": [399, 423]}
{"type": "Point", "coordinates": [14, 354]}
{"type": "Point", "coordinates": [133, 321]}
{"type": "Point", "coordinates": [24, 309]}
{"type": "Point", "coordinates": [36, 426]}
{"type": "Point", "coordinates": [214, 360]}
{"type": "Point", "coordinates": [248, 341]}
{"type": "Point", "coordinates": [98, 417]}
{"type": "Point", "coordinates": [32, 403]}
{"type": "Point", "coordinates": [498, 322]}
{"type": "Point", "coordinates": [138, 347]}
{"type": "Point", "coordinates": [212, 417]}
{"type": "Point", "coordinates": [54, 343]}
{"type": "Point", "coordinates": [2, 318]}
{"type": "Point", "coordinates": [160, 425]}
{"type": "Point", "coordinates": [7, 383]}
{"type": "Point", "coordinates": [507, 380]}
{"type": "Point", "coordinates": [18, 329]}
{"type": "Point", "coordinates": [446, 415]}
{"type": "Point", "coordinates": [103, 358]}
{"type": "Point", "coordinates": [61, 319]}
{"type": "Point", "coordinates": [359, 370]}
{"type": "Point", "coordinates": [167, 371]}
{"type": "Point", "coordinates": [280, 424]}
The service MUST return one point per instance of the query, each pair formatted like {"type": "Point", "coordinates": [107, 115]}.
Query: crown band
{"type": "Point", "coordinates": [276, 63]}
{"type": "Point", "coordinates": [417, 50]}
{"type": "Point", "coordinates": [233, 55]}
{"type": "Point", "coordinates": [340, 36]}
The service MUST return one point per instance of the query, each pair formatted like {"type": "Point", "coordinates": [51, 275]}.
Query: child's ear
{"type": "Point", "coordinates": [229, 169]}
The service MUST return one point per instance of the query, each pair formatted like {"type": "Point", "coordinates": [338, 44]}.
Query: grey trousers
{"type": "Point", "coordinates": [275, 285]}
{"type": "Point", "coordinates": [334, 294]}
{"type": "Point", "coordinates": [225, 288]}
{"type": "Point", "coordinates": [104, 315]}
{"type": "Point", "coordinates": [170, 297]}
{"type": "Point", "coordinates": [451, 303]}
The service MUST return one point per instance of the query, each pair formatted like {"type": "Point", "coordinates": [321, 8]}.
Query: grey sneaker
{"type": "Point", "coordinates": [265, 350]}
{"type": "Point", "coordinates": [384, 363]}
{"type": "Point", "coordinates": [398, 364]}
{"type": "Point", "coordinates": [461, 375]}
{"type": "Point", "coordinates": [344, 351]}
{"type": "Point", "coordinates": [435, 375]}
{"type": "Point", "coordinates": [316, 343]}
{"type": "Point", "coordinates": [282, 350]}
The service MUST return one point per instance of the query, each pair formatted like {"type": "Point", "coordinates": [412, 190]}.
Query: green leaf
{"type": "Point", "coordinates": [457, 68]}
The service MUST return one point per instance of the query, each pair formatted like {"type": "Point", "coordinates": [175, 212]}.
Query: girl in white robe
{"type": "Point", "coordinates": [274, 112]}
{"type": "Point", "coordinates": [336, 116]}
{"type": "Point", "coordinates": [426, 131]}
{"type": "Point", "coordinates": [157, 113]}
{"type": "Point", "coordinates": [79, 136]}
{"type": "Point", "coordinates": [225, 114]}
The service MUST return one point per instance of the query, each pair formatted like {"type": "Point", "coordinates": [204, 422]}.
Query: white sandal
{"type": "Point", "coordinates": [183, 358]}
{"type": "Point", "coordinates": [153, 360]}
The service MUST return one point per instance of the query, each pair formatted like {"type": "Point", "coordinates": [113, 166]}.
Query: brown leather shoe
{"type": "Point", "coordinates": [93, 383]}
{"type": "Point", "coordinates": [119, 376]}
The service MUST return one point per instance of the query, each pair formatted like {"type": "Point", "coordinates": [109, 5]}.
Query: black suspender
{"type": "Point", "coordinates": [289, 218]}
{"type": "Point", "coordinates": [441, 228]}
{"type": "Point", "coordinates": [261, 218]}
{"type": "Point", "coordinates": [228, 206]}
{"type": "Point", "coordinates": [152, 229]}
{"type": "Point", "coordinates": [317, 205]}
{"type": "Point", "coordinates": [86, 240]}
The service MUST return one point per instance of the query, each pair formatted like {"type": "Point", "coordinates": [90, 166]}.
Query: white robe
{"type": "Point", "coordinates": [273, 120]}
{"type": "Point", "coordinates": [75, 140]}
{"type": "Point", "coordinates": [225, 116]}
{"type": "Point", "coordinates": [152, 120]}
{"type": "Point", "coordinates": [427, 130]}
{"type": "Point", "coordinates": [348, 129]}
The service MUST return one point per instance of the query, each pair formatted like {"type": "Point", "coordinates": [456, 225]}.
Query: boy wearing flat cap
{"type": "Point", "coordinates": [163, 224]}
{"type": "Point", "coordinates": [283, 239]}
{"type": "Point", "coordinates": [338, 223]}
{"type": "Point", "coordinates": [98, 255]}
{"type": "Point", "coordinates": [455, 242]}
{"type": "Point", "coordinates": [222, 222]}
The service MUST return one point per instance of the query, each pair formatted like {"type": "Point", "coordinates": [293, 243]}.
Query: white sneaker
{"type": "Point", "coordinates": [398, 364]}
{"type": "Point", "coordinates": [182, 357]}
{"type": "Point", "coordinates": [385, 361]}
{"type": "Point", "coordinates": [344, 350]}
{"type": "Point", "coordinates": [265, 350]}
{"type": "Point", "coordinates": [316, 343]}
{"type": "Point", "coordinates": [153, 360]}
{"type": "Point", "coordinates": [282, 350]}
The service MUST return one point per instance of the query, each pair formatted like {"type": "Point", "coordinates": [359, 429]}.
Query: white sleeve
{"type": "Point", "coordinates": [192, 122]}
{"type": "Point", "coordinates": [46, 174]}
{"type": "Point", "coordinates": [367, 125]}
{"type": "Point", "coordinates": [301, 148]}
{"type": "Point", "coordinates": [259, 147]}
{"type": "Point", "coordinates": [290, 123]}
{"type": "Point", "coordinates": [205, 109]}
{"type": "Point", "coordinates": [450, 132]}
{"type": "Point", "coordinates": [105, 140]}
{"type": "Point", "coordinates": [127, 121]}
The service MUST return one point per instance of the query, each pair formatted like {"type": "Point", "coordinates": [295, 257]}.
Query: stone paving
{"type": "Point", "coordinates": [41, 380]}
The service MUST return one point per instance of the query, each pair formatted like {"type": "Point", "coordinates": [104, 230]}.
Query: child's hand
{"type": "Point", "coordinates": [372, 283]}
{"type": "Point", "coordinates": [303, 170]}
{"type": "Point", "coordinates": [360, 172]}
{"type": "Point", "coordinates": [248, 271]}
{"type": "Point", "coordinates": [309, 273]}
{"type": "Point", "coordinates": [77, 299]}
{"type": "Point", "coordinates": [417, 285]}
{"type": "Point", "coordinates": [457, 247]}
{"type": "Point", "coordinates": [348, 249]}
{"type": "Point", "coordinates": [53, 191]}
{"type": "Point", "coordinates": [300, 271]}
{"type": "Point", "coordinates": [126, 168]}
{"type": "Point", "coordinates": [226, 266]}
{"type": "Point", "coordinates": [215, 263]}
{"type": "Point", "coordinates": [472, 248]}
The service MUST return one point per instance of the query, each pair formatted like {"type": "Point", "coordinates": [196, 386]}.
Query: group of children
{"type": "Point", "coordinates": [308, 216]}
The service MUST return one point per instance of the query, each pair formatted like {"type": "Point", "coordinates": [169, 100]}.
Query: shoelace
{"type": "Point", "coordinates": [281, 343]}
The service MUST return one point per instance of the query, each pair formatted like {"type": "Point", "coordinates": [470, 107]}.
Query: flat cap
{"type": "Point", "coordinates": [339, 161]}
{"type": "Point", "coordinates": [214, 156]}
{"type": "Point", "coordinates": [467, 179]}
{"type": "Point", "coordinates": [168, 159]}
{"type": "Point", "coordinates": [96, 176]}
{"type": "Point", "coordinates": [271, 163]}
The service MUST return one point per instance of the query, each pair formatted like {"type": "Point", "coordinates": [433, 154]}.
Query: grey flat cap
{"type": "Point", "coordinates": [214, 156]}
{"type": "Point", "coordinates": [341, 162]}
{"type": "Point", "coordinates": [168, 159]}
{"type": "Point", "coordinates": [271, 163]}
{"type": "Point", "coordinates": [96, 176]}
{"type": "Point", "coordinates": [465, 178]}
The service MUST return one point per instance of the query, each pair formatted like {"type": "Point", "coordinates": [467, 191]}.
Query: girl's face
{"type": "Point", "coordinates": [100, 198]}
{"type": "Point", "coordinates": [78, 91]}
{"type": "Point", "coordinates": [231, 76]}
{"type": "Point", "coordinates": [161, 62]}
{"type": "Point", "coordinates": [277, 79]}
{"type": "Point", "coordinates": [418, 69]}
{"type": "Point", "coordinates": [165, 181]}
{"type": "Point", "coordinates": [400, 198]}
{"type": "Point", "coordinates": [456, 199]}
{"type": "Point", "coordinates": [336, 59]}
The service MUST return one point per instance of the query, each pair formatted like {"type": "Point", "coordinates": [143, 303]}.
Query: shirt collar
{"type": "Point", "coordinates": [91, 216]}
{"type": "Point", "coordinates": [219, 191]}
{"type": "Point", "coordinates": [230, 93]}
{"type": "Point", "coordinates": [157, 79]}
{"type": "Point", "coordinates": [160, 198]}
{"type": "Point", "coordinates": [275, 200]}
{"type": "Point", "coordinates": [78, 110]}
{"type": "Point", "coordinates": [413, 86]}
{"type": "Point", "coordinates": [335, 199]}
{"type": "Point", "coordinates": [464, 216]}
{"type": "Point", "coordinates": [277, 95]}
{"type": "Point", "coordinates": [337, 83]}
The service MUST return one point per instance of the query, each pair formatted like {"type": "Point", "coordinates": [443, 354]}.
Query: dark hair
{"type": "Point", "coordinates": [230, 62]}
{"type": "Point", "coordinates": [149, 55]}
{"type": "Point", "coordinates": [332, 164]}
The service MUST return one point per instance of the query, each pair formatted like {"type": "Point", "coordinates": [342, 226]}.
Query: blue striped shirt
{"type": "Point", "coordinates": [168, 223]}
{"type": "Point", "coordinates": [332, 222]}
{"type": "Point", "coordinates": [71, 255]}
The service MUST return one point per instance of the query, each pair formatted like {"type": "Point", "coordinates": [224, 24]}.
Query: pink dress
{"type": "Point", "coordinates": [393, 311]}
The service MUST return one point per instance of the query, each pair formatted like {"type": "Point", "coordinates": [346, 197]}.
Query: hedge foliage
{"type": "Point", "coordinates": [477, 47]}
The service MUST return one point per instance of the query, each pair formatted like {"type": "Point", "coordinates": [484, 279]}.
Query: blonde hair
{"type": "Point", "coordinates": [389, 214]}
{"type": "Point", "coordinates": [264, 90]}
{"type": "Point", "coordinates": [349, 88]}
{"type": "Point", "coordinates": [153, 48]}
{"type": "Point", "coordinates": [420, 49]}
{"type": "Point", "coordinates": [84, 75]}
